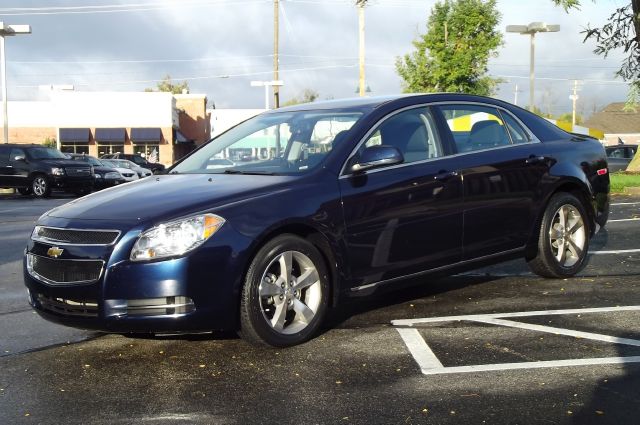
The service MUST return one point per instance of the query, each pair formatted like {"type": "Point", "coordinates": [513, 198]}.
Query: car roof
{"type": "Point", "coordinates": [373, 102]}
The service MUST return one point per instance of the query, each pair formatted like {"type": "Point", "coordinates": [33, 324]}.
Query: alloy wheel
{"type": "Point", "coordinates": [567, 235]}
{"type": "Point", "coordinates": [290, 292]}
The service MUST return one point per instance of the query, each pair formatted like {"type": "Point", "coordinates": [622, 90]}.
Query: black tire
{"type": "Point", "coordinates": [24, 191]}
{"type": "Point", "coordinates": [562, 251]}
{"type": "Point", "coordinates": [266, 297]}
{"type": "Point", "coordinates": [40, 186]}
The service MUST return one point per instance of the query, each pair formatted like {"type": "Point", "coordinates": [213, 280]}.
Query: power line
{"type": "Point", "coordinates": [208, 77]}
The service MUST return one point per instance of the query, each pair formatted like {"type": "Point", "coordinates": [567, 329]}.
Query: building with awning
{"type": "Point", "coordinates": [152, 124]}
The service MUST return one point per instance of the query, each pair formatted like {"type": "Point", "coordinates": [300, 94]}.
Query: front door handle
{"type": "Point", "coordinates": [445, 175]}
{"type": "Point", "coordinates": [533, 159]}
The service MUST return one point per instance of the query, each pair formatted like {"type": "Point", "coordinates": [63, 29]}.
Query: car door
{"type": "Point", "coordinates": [405, 218]}
{"type": "Point", "coordinates": [6, 171]}
{"type": "Point", "coordinates": [20, 167]}
{"type": "Point", "coordinates": [502, 164]}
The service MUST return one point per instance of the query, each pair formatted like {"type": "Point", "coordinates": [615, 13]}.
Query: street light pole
{"type": "Point", "coordinates": [6, 31]}
{"type": "Point", "coordinates": [531, 30]}
{"type": "Point", "coordinates": [266, 85]}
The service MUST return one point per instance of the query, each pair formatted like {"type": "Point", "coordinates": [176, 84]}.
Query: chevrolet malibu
{"type": "Point", "coordinates": [340, 198]}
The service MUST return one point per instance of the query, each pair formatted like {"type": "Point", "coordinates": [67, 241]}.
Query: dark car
{"type": "Point", "coordinates": [37, 170]}
{"type": "Point", "coordinates": [136, 159]}
{"type": "Point", "coordinates": [351, 195]}
{"type": "Point", "coordinates": [105, 176]}
{"type": "Point", "coordinates": [619, 156]}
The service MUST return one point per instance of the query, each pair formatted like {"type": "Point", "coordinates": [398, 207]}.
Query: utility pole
{"type": "Point", "coordinates": [276, 59]}
{"type": "Point", "coordinates": [515, 95]}
{"type": "Point", "coordinates": [574, 98]}
{"type": "Point", "coordinates": [362, 84]}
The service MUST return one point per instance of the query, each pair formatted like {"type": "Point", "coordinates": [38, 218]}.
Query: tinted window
{"type": "Point", "coordinates": [517, 133]}
{"type": "Point", "coordinates": [475, 127]}
{"type": "Point", "coordinates": [45, 153]}
{"type": "Point", "coordinates": [616, 153]}
{"type": "Point", "coordinates": [412, 132]}
{"type": "Point", "coordinates": [4, 154]}
{"type": "Point", "coordinates": [16, 152]}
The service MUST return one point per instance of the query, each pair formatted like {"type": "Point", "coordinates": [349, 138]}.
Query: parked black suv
{"type": "Point", "coordinates": [36, 169]}
{"type": "Point", "coordinates": [136, 159]}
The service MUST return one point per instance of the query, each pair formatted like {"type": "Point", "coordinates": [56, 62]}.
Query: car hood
{"type": "Point", "coordinates": [64, 163]}
{"type": "Point", "coordinates": [165, 197]}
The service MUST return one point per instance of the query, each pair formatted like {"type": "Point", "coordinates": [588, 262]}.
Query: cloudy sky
{"type": "Point", "coordinates": [219, 46]}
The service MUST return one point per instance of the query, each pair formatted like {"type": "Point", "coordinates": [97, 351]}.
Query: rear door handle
{"type": "Point", "coordinates": [445, 175]}
{"type": "Point", "coordinates": [532, 160]}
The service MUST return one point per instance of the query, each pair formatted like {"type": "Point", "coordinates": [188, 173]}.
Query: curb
{"type": "Point", "coordinates": [632, 190]}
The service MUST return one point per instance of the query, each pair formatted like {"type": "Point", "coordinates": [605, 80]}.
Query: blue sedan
{"type": "Point", "coordinates": [339, 198]}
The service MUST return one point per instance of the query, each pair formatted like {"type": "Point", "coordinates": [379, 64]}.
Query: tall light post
{"type": "Point", "coordinates": [361, 79]}
{"type": "Point", "coordinates": [7, 31]}
{"type": "Point", "coordinates": [266, 85]}
{"type": "Point", "coordinates": [531, 30]}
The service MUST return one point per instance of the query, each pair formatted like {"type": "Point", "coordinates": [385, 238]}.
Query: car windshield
{"type": "Point", "coordinates": [275, 143]}
{"type": "Point", "coordinates": [119, 163]}
{"type": "Point", "coordinates": [91, 160]}
{"type": "Point", "coordinates": [45, 153]}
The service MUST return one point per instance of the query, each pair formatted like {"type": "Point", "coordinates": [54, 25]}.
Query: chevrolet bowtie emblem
{"type": "Point", "coordinates": [54, 252]}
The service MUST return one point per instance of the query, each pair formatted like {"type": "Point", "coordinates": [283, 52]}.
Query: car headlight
{"type": "Point", "coordinates": [57, 171]}
{"type": "Point", "coordinates": [98, 176]}
{"type": "Point", "coordinates": [176, 237]}
{"type": "Point", "coordinates": [112, 175]}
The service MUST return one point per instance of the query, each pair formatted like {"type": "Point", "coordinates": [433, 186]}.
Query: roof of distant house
{"type": "Point", "coordinates": [613, 119]}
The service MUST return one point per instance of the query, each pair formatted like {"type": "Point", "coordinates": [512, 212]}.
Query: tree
{"type": "Point", "coordinates": [166, 85]}
{"type": "Point", "coordinates": [452, 55]}
{"type": "Point", "coordinates": [568, 117]}
{"type": "Point", "coordinates": [50, 142]}
{"type": "Point", "coordinates": [307, 96]}
{"type": "Point", "coordinates": [622, 31]}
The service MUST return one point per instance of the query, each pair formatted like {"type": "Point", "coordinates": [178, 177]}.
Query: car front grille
{"type": "Point", "coordinates": [64, 272]}
{"type": "Point", "coordinates": [80, 308]}
{"type": "Point", "coordinates": [74, 237]}
{"type": "Point", "coordinates": [78, 171]}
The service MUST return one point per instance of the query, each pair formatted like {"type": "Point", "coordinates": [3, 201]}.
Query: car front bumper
{"type": "Point", "coordinates": [195, 293]}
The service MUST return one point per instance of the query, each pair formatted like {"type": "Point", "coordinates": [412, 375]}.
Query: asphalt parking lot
{"type": "Point", "coordinates": [495, 345]}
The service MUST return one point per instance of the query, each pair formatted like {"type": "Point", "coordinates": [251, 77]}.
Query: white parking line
{"type": "Point", "coordinates": [623, 219]}
{"type": "Point", "coordinates": [625, 203]}
{"type": "Point", "coordinates": [619, 251]}
{"type": "Point", "coordinates": [430, 364]}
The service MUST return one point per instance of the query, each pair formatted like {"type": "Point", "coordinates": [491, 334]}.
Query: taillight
{"type": "Point", "coordinates": [602, 171]}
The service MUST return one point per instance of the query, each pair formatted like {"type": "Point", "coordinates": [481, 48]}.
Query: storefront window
{"type": "Point", "coordinates": [104, 149]}
{"type": "Point", "coordinates": [75, 148]}
{"type": "Point", "coordinates": [146, 150]}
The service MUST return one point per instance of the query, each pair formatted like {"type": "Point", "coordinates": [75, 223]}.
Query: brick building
{"type": "Point", "coordinates": [154, 124]}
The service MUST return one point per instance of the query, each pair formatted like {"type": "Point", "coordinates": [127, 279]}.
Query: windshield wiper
{"type": "Point", "coordinates": [249, 172]}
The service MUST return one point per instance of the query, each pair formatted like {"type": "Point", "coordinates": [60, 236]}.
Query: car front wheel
{"type": "Point", "coordinates": [563, 241]}
{"type": "Point", "coordinates": [40, 186]}
{"type": "Point", "coordinates": [285, 293]}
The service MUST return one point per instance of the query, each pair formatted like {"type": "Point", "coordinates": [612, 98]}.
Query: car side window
{"type": "Point", "coordinates": [412, 132]}
{"type": "Point", "coordinates": [475, 127]}
{"type": "Point", "coordinates": [517, 133]}
{"type": "Point", "coordinates": [16, 152]}
{"type": "Point", "coordinates": [4, 155]}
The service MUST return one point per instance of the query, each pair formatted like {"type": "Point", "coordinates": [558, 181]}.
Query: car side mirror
{"type": "Point", "coordinates": [19, 158]}
{"type": "Point", "coordinates": [377, 156]}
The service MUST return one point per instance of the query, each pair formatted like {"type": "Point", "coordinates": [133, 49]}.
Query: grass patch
{"type": "Point", "coordinates": [621, 180]}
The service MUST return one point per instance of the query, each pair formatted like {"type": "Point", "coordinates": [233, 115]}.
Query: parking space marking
{"type": "Point", "coordinates": [619, 251]}
{"type": "Point", "coordinates": [430, 364]}
{"type": "Point", "coordinates": [625, 203]}
{"type": "Point", "coordinates": [623, 219]}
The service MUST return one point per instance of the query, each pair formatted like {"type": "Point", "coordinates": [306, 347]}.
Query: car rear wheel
{"type": "Point", "coordinates": [284, 297]}
{"type": "Point", "coordinates": [563, 241]}
{"type": "Point", "coordinates": [40, 186]}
